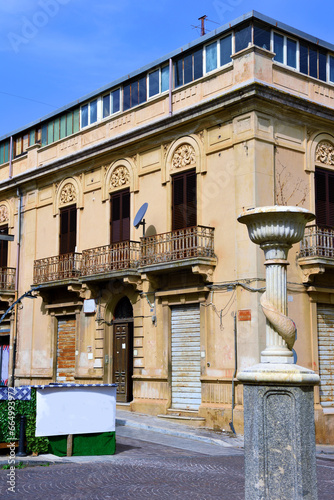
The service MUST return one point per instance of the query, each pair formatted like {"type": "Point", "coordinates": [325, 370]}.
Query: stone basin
{"type": "Point", "coordinates": [284, 224]}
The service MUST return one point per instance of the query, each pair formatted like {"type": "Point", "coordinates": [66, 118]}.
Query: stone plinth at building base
{"type": "Point", "coordinates": [280, 462]}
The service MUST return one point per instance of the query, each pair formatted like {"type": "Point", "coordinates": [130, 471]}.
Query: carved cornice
{"type": "Point", "coordinates": [120, 177]}
{"type": "Point", "coordinates": [184, 156]}
{"type": "Point", "coordinates": [325, 153]}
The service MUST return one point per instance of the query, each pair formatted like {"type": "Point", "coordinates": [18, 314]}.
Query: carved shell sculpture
{"type": "Point", "coordinates": [184, 156]}
{"type": "Point", "coordinates": [284, 326]}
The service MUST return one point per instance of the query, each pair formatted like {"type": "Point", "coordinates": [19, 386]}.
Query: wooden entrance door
{"type": "Point", "coordinates": [123, 360]}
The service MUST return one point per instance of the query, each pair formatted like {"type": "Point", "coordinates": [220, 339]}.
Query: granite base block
{"type": "Point", "coordinates": [280, 462]}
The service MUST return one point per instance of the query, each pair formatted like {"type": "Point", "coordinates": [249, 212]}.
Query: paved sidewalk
{"type": "Point", "coordinates": [163, 432]}
{"type": "Point", "coordinates": [160, 425]}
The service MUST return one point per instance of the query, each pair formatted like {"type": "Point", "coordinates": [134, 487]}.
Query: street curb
{"type": "Point", "coordinates": [174, 432]}
{"type": "Point", "coordinates": [32, 462]}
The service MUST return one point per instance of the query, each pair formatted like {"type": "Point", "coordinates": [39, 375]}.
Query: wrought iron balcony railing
{"type": "Point", "coordinates": [58, 268]}
{"type": "Point", "coordinates": [188, 243]}
{"type": "Point", "coordinates": [317, 242]}
{"type": "Point", "coordinates": [7, 279]}
{"type": "Point", "coordinates": [118, 256]}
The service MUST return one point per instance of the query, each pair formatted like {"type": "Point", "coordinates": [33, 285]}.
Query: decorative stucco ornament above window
{"type": "Point", "coordinates": [68, 194]}
{"type": "Point", "coordinates": [120, 177]}
{"type": "Point", "coordinates": [184, 156]}
{"type": "Point", "coordinates": [325, 153]}
{"type": "Point", "coordinates": [4, 215]}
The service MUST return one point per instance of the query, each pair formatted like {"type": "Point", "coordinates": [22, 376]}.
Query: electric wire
{"type": "Point", "coordinates": [29, 99]}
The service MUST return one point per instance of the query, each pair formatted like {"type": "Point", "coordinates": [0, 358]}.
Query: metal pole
{"type": "Point", "coordinates": [21, 451]}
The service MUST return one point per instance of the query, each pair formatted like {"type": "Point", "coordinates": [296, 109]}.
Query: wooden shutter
{"type": "Point", "coordinates": [324, 197]}
{"type": "Point", "coordinates": [68, 229]}
{"type": "Point", "coordinates": [3, 248]}
{"type": "Point", "coordinates": [184, 208]}
{"type": "Point", "coordinates": [120, 216]}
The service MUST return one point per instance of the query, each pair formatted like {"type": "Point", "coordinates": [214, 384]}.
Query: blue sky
{"type": "Point", "coordinates": [55, 51]}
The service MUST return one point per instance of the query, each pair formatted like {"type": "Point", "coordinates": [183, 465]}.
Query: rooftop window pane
{"type": "Point", "coordinates": [211, 57]}
{"type": "Point", "coordinates": [134, 94]}
{"type": "Point", "coordinates": [243, 37]}
{"type": "Point", "coordinates": [153, 83]}
{"type": "Point", "coordinates": [32, 137]}
{"type": "Point", "coordinates": [331, 68]}
{"type": "Point", "coordinates": [44, 134]}
{"type": "Point", "coordinates": [56, 130]}
{"type": "Point", "coordinates": [63, 123]}
{"type": "Point", "coordinates": [25, 142]}
{"type": "Point", "coordinates": [106, 106]}
{"type": "Point", "coordinates": [279, 48]}
{"type": "Point", "coordinates": [262, 36]}
{"type": "Point", "coordinates": [303, 58]}
{"type": "Point", "coordinates": [7, 152]}
{"type": "Point", "coordinates": [198, 64]}
{"type": "Point", "coordinates": [178, 73]}
{"type": "Point", "coordinates": [291, 53]}
{"type": "Point", "coordinates": [116, 100]}
{"type": "Point", "coordinates": [126, 97]}
{"type": "Point", "coordinates": [7, 148]}
{"type": "Point", "coordinates": [76, 120]}
{"type": "Point", "coordinates": [142, 90]}
{"type": "Point", "coordinates": [313, 61]}
{"type": "Point", "coordinates": [93, 111]}
{"type": "Point", "coordinates": [322, 65]}
{"type": "Point", "coordinates": [164, 78]}
{"type": "Point", "coordinates": [2, 147]}
{"type": "Point", "coordinates": [69, 123]}
{"type": "Point", "coordinates": [225, 50]}
{"type": "Point", "coordinates": [50, 132]}
{"type": "Point", "coordinates": [84, 118]}
{"type": "Point", "coordinates": [188, 69]}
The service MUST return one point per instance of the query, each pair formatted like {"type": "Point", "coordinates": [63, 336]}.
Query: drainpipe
{"type": "Point", "coordinates": [170, 86]}
{"type": "Point", "coordinates": [17, 281]}
{"type": "Point", "coordinates": [275, 194]}
{"type": "Point", "coordinates": [10, 157]}
{"type": "Point", "coordinates": [235, 370]}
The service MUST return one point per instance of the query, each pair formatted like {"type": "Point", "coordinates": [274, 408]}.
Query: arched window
{"type": "Point", "coordinates": [123, 309]}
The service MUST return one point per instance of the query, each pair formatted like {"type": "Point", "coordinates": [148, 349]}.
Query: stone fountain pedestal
{"type": "Point", "coordinates": [280, 462]}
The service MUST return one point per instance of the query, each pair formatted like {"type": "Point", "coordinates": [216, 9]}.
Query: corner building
{"type": "Point", "coordinates": [239, 118]}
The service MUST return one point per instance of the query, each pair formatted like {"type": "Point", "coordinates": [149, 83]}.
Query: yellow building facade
{"type": "Point", "coordinates": [170, 309]}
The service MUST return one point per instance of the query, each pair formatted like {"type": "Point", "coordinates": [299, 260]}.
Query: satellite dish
{"type": "Point", "coordinates": [139, 219]}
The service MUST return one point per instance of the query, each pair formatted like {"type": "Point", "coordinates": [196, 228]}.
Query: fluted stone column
{"type": "Point", "coordinates": [278, 394]}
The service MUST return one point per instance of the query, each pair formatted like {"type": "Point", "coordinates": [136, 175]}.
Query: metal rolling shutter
{"type": "Point", "coordinates": [326, 353]}
{"type": "Point", "coordinates": [186, 357]}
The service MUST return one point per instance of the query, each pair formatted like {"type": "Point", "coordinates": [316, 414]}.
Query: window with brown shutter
{"type": "Point", "coordinates": [68, 230]}
{"type": "Point", "coordinates": [184, 208]}
{"type": "Point", "coordinates": [3, 248]}
{"type": "Point", "coordinates": [120, 217]}
{"type": "Point", "coordinates": [324, 197]}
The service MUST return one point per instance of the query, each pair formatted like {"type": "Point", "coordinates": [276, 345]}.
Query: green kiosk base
{"type": "Point", "coordinates": [103, 443]}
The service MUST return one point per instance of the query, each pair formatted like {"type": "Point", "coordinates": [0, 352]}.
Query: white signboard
{"type": "Point", "coordinates": [75, 410]}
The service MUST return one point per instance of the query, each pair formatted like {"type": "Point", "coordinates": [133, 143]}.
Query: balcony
{"type": "Point", "coordinates": [192, 246]}
{"type": "Point", "coordinates": [316, 251]}
{"type": "Point", "coordinates": [65, 267]}
{"type": "Point", "coordinates": [7, 280]}
{"type": "Point", "coordinates": [110, 259]}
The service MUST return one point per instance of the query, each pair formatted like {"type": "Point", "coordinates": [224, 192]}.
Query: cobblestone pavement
{"type": "Point", "coordinates": [141, 471]}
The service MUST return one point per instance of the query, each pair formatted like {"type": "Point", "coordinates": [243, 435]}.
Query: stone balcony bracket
{"type": "Point", "coordinates": [311, 268]}
{"type": "Point", "coordinates": [206, 271]}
